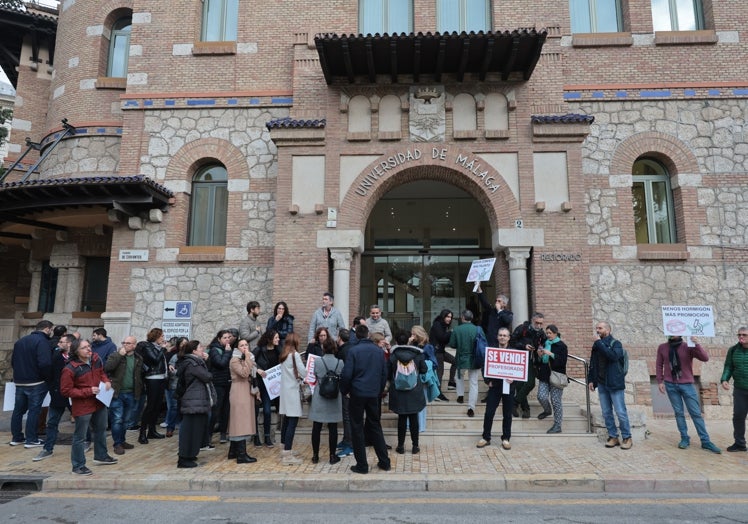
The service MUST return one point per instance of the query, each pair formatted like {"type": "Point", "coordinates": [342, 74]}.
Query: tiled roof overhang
{"type": "Point", "coordinates": [15, 24]}
{"type": "Point", "coordinates": [34, 195]}
{"type": "Point", "coordinates": [427, 57]}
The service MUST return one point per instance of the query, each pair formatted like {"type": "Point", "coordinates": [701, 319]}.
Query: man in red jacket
{"type": "Point", "coordinates": [80, 382]}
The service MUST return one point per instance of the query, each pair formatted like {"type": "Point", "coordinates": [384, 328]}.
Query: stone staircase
{"type": "Point", "coordinates": [448, 423]}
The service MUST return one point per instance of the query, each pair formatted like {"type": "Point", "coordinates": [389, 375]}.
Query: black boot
{"type": "Point", "coordinates": [242, 457]}
{"type": "Point", "coordinates": [233, 452]}
{"type": "Point", "coordinates": [268, 441]}
{"type": "Point", "coordinates": [143, 438]}
{"type": "Point", "coordinates": [257, 441]}
{"type": "Point", "coordinates": [152, 433]}
{"type": "Point", "coordinates": [186, 463]}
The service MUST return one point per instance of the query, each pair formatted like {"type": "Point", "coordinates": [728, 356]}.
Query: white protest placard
{"type": "Point", "coordinates": [311, 377]}
{"type": "Point", "coordinates": [688, 321]}
{"type": "Point", "coordinates": [505, 363]}
{"type": "Point", "coordinates": [105, 395]}
{"type": "Point", "coordinates": [480, 270]}
{"type": "Point", "coordinates": [272, 380]}
{"type": "Point", "coordinates": [9, 399]}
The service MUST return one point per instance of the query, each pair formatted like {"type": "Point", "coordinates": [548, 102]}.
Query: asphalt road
{"type": "Point", "coordinates": [436, 508]}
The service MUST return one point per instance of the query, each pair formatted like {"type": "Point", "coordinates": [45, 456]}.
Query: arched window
{"type": "Point", "coordinates": [496, 112]}
{"type": "Point", "coordinates": [359, 115]}
{"type": "Point", "coordinates": [119, 48]}
{"type": "Point", "coordinates": [389, 114]}
{"type": "Point", "coordinates": [654, 220]}
{"type": "Point", "coordinates": [219, 20]}
{"type": "Point", "coordinates": [209, 206]}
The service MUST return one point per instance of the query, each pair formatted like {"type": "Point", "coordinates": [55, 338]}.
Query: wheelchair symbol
{"type": "Point", "coordinates": [184, 310]}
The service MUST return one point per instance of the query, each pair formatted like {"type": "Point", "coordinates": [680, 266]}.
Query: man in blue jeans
{"type": "Point", "coordinates": [125, 368]}
{"type": "Point", "coordinates": [674, 371]}
{"type": "Point", "coordinates": [606, 374]}
{"type": "Point", "coordinates": [32, 368]}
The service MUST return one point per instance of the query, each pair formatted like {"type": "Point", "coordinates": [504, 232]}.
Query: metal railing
{"type": "Point", "coordinates": [586, 389]}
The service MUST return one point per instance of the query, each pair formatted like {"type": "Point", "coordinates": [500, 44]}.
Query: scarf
{"type": "Point", "coordinates": [548, 344]}
{"type": "Point", "coordinates": [673, 357]}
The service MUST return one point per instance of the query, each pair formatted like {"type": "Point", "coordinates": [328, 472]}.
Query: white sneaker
{"type": "Point", "coordinates": [288, 458]}
{"type": "Point", "coordinates": [163, 424]}
{"type": "Point", "coordinates": [506, 444]}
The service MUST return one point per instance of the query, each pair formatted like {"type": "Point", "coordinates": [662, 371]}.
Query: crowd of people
{"type": "Point", "coordinates": [226, 387]}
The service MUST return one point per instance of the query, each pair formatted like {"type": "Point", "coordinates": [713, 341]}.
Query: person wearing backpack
{"type": "Point", "coordinates": [606, 374]}
{"type": "Point", "coordinates": [463, 340]}
{"type": "Point", "coordinates": [327, 402]}
{"type": "Point", "coordinates": [406, 392]}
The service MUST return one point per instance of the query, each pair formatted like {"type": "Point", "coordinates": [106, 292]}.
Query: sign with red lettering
{"type": "Point", "coordinates": [507, 363]}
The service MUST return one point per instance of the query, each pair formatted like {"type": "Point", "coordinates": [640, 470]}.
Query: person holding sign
{"type": "Point", "coordinates": [494, 317]}
{"type": "Point", "coordinates": [674, 371]}
{"type": "Point", "coordinates": [551, 357]}
{"type": "Point", "coordinates": [498, 393]}
{"type": "Point", "coordinates": [79, 381]}
{"type": "Point", "coordinates": [266, 356]}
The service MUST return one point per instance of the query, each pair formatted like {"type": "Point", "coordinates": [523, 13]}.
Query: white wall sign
{"type": "Point", "coordinates": [133, 255]}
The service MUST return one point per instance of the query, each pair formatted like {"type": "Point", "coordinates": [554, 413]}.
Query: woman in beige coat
{"type": "Point", "coordinates": [242, 403]}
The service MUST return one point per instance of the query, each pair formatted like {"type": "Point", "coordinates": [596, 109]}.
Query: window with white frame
{"type": "Point", "coordinates": [463, 15]}
{"type": "Point", "coordinates": [385, 16]}
{"type": "Point", "coordinates": [219, 20]}
{"type": "Point", "coordinates": [209, 206]}
{"type": "Point", "coordinates": [677, 15]}
{"type": "Point", "coordinates": [596, 16]}
{"type": "Point", "coordinates": [654, 221]}
{"type": "Point", "coordinates": [119, 48]}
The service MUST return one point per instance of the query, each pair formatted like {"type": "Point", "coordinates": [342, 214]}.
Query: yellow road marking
{"type": "Point", "coordinates": [389, 501]}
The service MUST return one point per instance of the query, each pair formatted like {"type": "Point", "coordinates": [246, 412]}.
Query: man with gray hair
{"type": "Point", "coordinates": [377, 324]}
{"type": "Point", "coordinates": [463, 340]}
{"type": "Point", "coordinates": [494, 317]}
{"type": "Point", "coordinates": [326, 316]}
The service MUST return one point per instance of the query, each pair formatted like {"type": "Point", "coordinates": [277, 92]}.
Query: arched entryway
{"type": "Point", "coordinates": [421, 238]}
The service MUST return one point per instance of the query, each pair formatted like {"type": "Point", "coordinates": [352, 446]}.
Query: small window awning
{"type": "Point", "coordinates": [427, 57]}
{"type": "Point", "coordinates": [59, 204]}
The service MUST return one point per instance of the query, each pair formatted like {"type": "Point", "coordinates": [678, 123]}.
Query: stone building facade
{"type": "Point", "coordinates": [603, 166]}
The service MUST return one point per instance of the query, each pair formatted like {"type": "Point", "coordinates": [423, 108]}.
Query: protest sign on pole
{"type": "Point", "coordinates": [480, 270]}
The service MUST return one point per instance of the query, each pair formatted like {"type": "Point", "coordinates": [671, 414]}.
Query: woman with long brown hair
{"type": "Point", "coordinates": [293, 373]}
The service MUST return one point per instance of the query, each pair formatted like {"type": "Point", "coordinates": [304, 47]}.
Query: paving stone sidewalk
{"type": "Point", "coordinates": [546, 463]}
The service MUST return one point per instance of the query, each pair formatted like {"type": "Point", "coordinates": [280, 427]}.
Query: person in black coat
{"type": "Point", "coordinates": [551, 357]}
{"type": "Point", "coordinates": [281, 322]}
{"type": "Point", "coordinates": [195, 402]}
{"type": "Point", "coordinates": [494, 317]}
{"type": "Point", "coordinates": [407, 403]}
{"type": "Point", "coordinates": [219, 358]}
{"type": "Point", "coordinates": [439, 335]}
{"type": "Point", "coordinates": [267, 355]}
{"type": "Point", "coordinates": [155, 371]}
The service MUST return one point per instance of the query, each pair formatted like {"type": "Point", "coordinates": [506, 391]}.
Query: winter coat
{"type": "Point", "coordinates": [57, 399]}
{"type": "Point", "coordinates": [199, 394]}
{"type": "Point", "coordinates": [555, 363]}
{"type": "Point", "coordinates": [439, 335]}
{"type": "Point", "coordinates": [407, 402]}
{"type": "Point", "coordinates": [463, 340]}
{"type": "Point", "coordinates": [283, 327]}
{"type": "Point", "coordinates": [31, 359]}
{"type": "Point", "coordinates": [154, 359]}
{"type": "Point", "coordinates": [326, 410]}
{"type": "Point", "coordinates": [493, 320]}
{"type": "Point", "coordinates": [76, 381]}
{"type": "Point", "coordinates": [241, 401]}
{"type": "Point", "coordinates": [103, 348]}
{"type": "Point", "coordinates": [290, 403]}
{"type": "Point", "coordinates": [604, 364]}
{"type": "Point", "coordinates": [248, 328]}
{"type": "Point", "coordinates": [116, 366]}
{"type": "Point", "coordinates": [365, 371]}
{"type": "Point", "coordinates": [218, 363]}
{"type": "Point", "coordinates": [736, 367]}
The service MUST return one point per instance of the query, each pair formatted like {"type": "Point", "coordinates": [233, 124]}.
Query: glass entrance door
{"type": "Point", "coordinates": [413, 288]}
